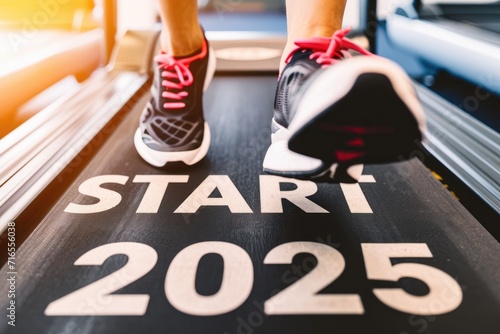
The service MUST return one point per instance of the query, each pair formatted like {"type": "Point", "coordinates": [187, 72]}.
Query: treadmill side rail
{"type": "Point", "coordinates": [464, 145]}
{"type": "Point", "coordinates": [31, 164]}
{"type": "Point", "coordinates": [34, 154]}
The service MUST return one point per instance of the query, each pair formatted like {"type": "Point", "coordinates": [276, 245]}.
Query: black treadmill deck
{"type": "Point", "coordinates": [211, 230]}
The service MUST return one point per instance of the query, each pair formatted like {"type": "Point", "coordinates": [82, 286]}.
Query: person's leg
{"type": "Point", "coordinates": [172, 127]}
{"type": "Point", "coordinates": [313, 18]}
{"type": "Point", "coordinates": [181, 32]}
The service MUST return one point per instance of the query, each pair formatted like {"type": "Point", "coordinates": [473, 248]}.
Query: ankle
{"type": "Point", "coordinates": [320, 30]}
{"type": "Point", "coordinates": [181, 42]}
{"type": "Point", "coordinates": [313, 30]}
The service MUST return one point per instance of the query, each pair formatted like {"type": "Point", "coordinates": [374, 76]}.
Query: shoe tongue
{"type": "Point", "coordinates": [162, 100]}
{"type": "Point", "coordinates": [183, 57]}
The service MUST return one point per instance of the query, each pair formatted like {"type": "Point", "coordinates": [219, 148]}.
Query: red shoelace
{"type": "Point", "coordinates": [328, 50]}
{"type": "Point", "coordinates": [176, 76]}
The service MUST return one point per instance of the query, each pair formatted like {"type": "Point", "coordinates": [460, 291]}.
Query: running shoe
{"type": "Point", "coordinates": [338, 107]}
{"type": "Point", "coordinates": [172, 127]}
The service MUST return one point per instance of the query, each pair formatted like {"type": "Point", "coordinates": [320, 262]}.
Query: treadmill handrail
{"type": "Point", "coordinates": [462, 52]}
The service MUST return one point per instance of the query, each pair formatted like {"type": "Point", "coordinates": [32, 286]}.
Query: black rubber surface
{"type": "Point", "coordinates": [408, 204]}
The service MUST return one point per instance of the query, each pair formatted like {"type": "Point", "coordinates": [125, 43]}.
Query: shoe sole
{"type": "Point", "coordinates": [281, 161]}
{"type": "Point", "coordinates": [372, 117]}
{"type": "Point", "coordinates": [160, 158]}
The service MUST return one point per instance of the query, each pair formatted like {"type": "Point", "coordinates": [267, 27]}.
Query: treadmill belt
{"type": "Point", "coordinates": [220, 247]}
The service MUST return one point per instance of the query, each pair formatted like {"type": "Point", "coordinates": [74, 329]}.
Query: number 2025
{"type": "Point", "coordinates": [302, 297]}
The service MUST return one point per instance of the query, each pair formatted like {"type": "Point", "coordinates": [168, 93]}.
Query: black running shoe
{"type": "Point", "coordinates": [335, 112]}
{"type": "Point", "coordinates": [172, 126]}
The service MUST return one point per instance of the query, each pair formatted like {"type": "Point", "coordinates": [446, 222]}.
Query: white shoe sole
{"type": "Point", "coordinates": [280, 160]}
{"type": "Point", "coordinates": [160, 159]}
{"type": "Point", "coordinates": [342, 77]}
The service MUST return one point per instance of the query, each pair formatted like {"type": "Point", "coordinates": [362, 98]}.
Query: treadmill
{"type": "Point", "coordinates": [98, 241]}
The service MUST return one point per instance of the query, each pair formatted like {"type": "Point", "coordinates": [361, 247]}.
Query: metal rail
{"type": "Point", "coordinates": [34, 154]}
{"type": "Point", "coordinates": [466, 51]}
{"type": "Point", "coordinates": [464, 145]}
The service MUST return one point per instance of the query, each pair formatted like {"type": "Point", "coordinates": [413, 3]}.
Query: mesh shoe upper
{"type": "Point", "coordinates": [173, 119]}
{"type": "Point", "coordinates": [297, 71]}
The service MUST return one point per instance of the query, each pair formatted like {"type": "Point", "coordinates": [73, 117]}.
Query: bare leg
{"type": "Point", "coordinates": [181, 33]}
{"type": "Point", "coordinates": [311, 19]}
